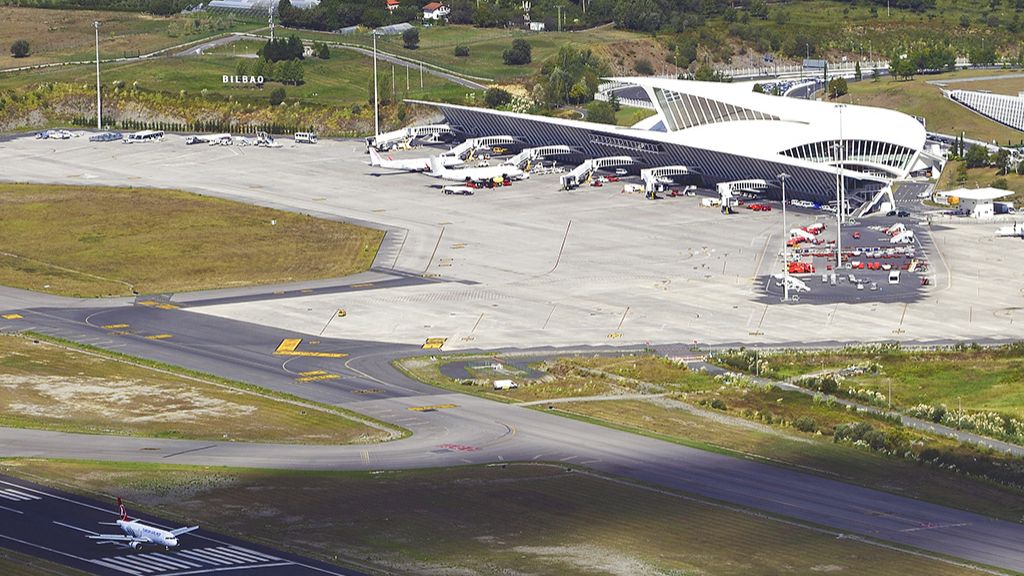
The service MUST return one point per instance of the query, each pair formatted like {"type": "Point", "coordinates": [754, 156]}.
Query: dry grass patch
{"type": "Point", "coordinates": [97, 241]}
{"type": "Point", "coordinates": [46, 386]}
{"type": "Point", "coordinates": [470, 521]}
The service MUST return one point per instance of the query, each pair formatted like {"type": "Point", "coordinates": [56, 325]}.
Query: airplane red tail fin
{"type": "Point", "coordinates": [121, 510]}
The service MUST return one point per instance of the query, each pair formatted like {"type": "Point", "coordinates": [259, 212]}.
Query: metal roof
{"type": "Point", "coordinates": [979, 193]}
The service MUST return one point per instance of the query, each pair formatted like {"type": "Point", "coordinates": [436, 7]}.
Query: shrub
{"type": "Point", "coordinates": [411, 38]}
{"type": "Point", "coordinates": [718, 404]}
{"type": "Point", "coordinates": [277, 96]}
{"type": "Point", "coordinates": [19, 49]}
{"type": "Point", "coordinates": [520, 53]}
{"type": "Point", "coordinates": [601, 112]}
{"type": "Point", "coordinates": [643, 67]}
{"type": "Point", "coordinates": [805, 424]}
{"type": "Point", "coordinates": [462, 51]}
{"type": "Point", "coordinates": [495, 97]}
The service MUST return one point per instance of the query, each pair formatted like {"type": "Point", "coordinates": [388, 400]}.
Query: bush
{"type": "Point", "coordinates": [411, 38]}
{"type": "Point", "coordinates": [520, 53]}
{"type": "Point", "coordinates": [462, 51]}
{"type": "Point", "coordinates": [495, 97]}
{"type": "Point", "coordinates": [277, 96]}
{"type": "Point", "coordinates": [19, 49]}
{"type": "Point", "coordinates": [643, 67]}
{"type": "Point", "coordinates": [601, 112]}
{"type": "Point", "coordinates": [718, 404]}
{"type": "Point", "coordinates": [805, 424]}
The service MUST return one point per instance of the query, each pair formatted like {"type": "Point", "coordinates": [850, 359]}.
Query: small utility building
{"type": "Point", "coordinates": [976, 202]}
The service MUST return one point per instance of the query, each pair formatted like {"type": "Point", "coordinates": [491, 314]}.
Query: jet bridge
{"type": "Point", "coordinates": [404, 136]}
{"type": "Point", "coordinates": [584, 171]}
{"type": "Point", "coordinates": [530, 155]}
{"type": "Point", "coordinates": [727, 189]}
{"type": "Point", "coordinates": [466, 150]}
{"type": "Point", "coordinates": [652, 176]}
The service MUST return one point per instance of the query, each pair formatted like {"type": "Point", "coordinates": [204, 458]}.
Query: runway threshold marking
{"type": "Point", "coordinates": [434, 343]}
{"type": "Point", "coordinates": [289, 347]}
{"type": "Point", "coordinates": [12, 316]}
{"type": "Point", "coordinates": [432, 408]}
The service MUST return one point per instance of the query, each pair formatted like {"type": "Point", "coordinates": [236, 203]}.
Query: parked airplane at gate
{"type": "Point", "coordinates": [1015, 231]}
{"type": "Point", "coordinates": [478, 174]}
{"type": "Point", "coordinates": [136, 534]}
{"type": "Point", "coordinates": [410, 164]}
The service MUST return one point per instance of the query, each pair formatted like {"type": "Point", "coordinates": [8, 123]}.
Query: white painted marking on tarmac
{"type": "Point", "coordinates": [113, 566]}
{"type": "Point", "coordinates": [75, 528]}
{"type": "Point", "coordinates": [247, 567]}
{"type": "Point", "coordinates": [11, 510]}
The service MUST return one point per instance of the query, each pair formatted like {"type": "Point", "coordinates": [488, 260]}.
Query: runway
{"type": "Point", "coordinates": [52, 524]}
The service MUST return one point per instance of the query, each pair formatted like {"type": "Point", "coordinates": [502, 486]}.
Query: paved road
{"type": "Point", "coordinates": [53, 525]}
{"type": "Point", "coordinates": [464, 429]}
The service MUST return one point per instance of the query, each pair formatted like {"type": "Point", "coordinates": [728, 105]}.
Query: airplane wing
{"type": "Point", "coordinates": [180, 531]}
{"type": "Point", "coordinates": [118, 538]}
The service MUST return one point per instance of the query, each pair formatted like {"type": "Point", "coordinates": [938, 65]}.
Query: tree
{"type": "Point", "coordinates": [277, 96]}
{"type": "Point", "coordinates": [495, 97]}
{"type": "Point", "coordinates": [837, 87]}
{"type": "Point", "coordinates": [323, 51]}
{"type": "Point", "coordinates": [614, 101]}
{"type": "Point", "coordinates": [462, 51]}
{"type": "Point", "coordinates": [1002, 161]}
{"type": "Point", "coordinates": [976, 157]}
{"type": "Point", "coordinates": [519, 53]}
{"type": "Point", "coordinates": [19, 49]}
{"type": "Point", "coordinates": [600, 112]}
{"type": "Point", "coordinates": [411, 38]}
{"type": "Point", "coordinates": [643, 67]}
{"type": "Point", "coordinates": [242, 68]}
{"type": "Point", "coordinates": [758, 88]}
{"type": "Point", "coordinates": [856, 72]}
{"type": "Point", "coordinates": [874, 74]}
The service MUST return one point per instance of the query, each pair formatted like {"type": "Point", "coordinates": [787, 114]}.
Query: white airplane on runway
{"type": "Point", "coordinates": [410, 164]}
{"type": "Point", "coordinates": [136, 534]}
{"type": "Point", "coordinates": [478, 174]}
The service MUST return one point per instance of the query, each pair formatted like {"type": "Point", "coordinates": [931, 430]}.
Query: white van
{"type": "Point", "coordinates": [305, 137]}
{"type": "Point", "coordinates": [894, 277]}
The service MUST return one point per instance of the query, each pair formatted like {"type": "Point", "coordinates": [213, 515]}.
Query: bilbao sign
{"type": "Point", "coordinates": [257, 80]}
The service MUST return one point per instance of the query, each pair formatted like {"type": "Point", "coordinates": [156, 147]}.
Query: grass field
{"type": "Point", "coordinates": [979, 380]}
{"type": "Point", "coordinates": [64, 240]}
{"type": "Point", "coordinates": [619, 48]}
{"type": "Point", "coordinates": [68, 35]}
{"type": "Point", "coordinates": [920, 98]}
{"type": "Point", "coordinates": [519, 519]}
{"type": "Point", "coordinates": [51, 387]}
{"type": "Point", "coordinates": [16, 564]}
{"type": "Point", "coordinates": [343, 80]}
{"type": "Point", "coordinates": [627, 116]}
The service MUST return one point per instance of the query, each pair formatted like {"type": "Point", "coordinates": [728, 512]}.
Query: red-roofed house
{"type": "Point", "coordinates": [435, 11]}
{"type": "Point", "coordinates": [392, 5]}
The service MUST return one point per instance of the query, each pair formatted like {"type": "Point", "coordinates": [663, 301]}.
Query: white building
{"type": "Point", "coordinates": [976, 202]}
{"type": "Point", "coordinates": [436, 11]}
{"type": "Point", "coordinates": [724, 132]}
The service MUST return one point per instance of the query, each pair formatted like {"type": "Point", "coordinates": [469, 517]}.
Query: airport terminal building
{"type": "Point", "coordinates": [724, 132]}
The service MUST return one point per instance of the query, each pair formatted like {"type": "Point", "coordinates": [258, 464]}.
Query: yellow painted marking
{"type": "Point", "coordinates": [167, 306]}
{"type": "Point", "coordinates": [278, 292]}
{"type": "Point", "coordinates": [288, 345]}
{"type": "Point", "coordinates": [160, 336]}
{"type": "Point", "coordinates": [147, 302]}
{"type": "Point", "coordinates": [115, 326]}
{"type": "Point", "coordinates": [434, 343]}
{"type": "Point", "coordinates": [312, 373]}
{"type": "Point", "coordinates": [12, 316]}
{"type": "Point", "coordinates": [459, 245]}
{"type": "Point", "coordinates": [614, 335]}
{"type": "Point", "coordinates": [369, 391]}
{"type": "Point", "coordinates": [363, 285]}
{"type": "Point", "coordinates": [306, 291]}
{"type": "Point", "coordinates": [432, 408]}
{"type": "Point", "coordinates": [315, 378]}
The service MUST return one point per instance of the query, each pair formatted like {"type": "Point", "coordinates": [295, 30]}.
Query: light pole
{"type": "Point", "coordinates": [785, 237]}
{"type": "Point", "coordinates": [99, 103]}
{"type": "Point", "coordinates": [376, 103]}
{"type": "Point", "coordinates": [840, 207]}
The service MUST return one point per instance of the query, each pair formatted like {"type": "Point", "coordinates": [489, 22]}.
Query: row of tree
{"type": "Point", "coordinates": [286, 72]}
{"type": "Point", "coordinates": [282, 49]}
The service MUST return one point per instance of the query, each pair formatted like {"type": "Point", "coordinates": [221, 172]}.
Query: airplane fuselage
{"type": "Point", "coordinates": [156, 536]}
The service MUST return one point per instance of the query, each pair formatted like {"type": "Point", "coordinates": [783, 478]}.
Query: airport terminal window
{"type": "Point", "coordinates": [627, 144]}
{"type": "Point", "coordinates": [865, 151]}
{"type": "Point", "coordinates": [683, 111]}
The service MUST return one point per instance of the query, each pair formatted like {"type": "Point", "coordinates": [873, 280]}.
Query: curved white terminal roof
{"type": "Point", "coordinates": [733, 118]}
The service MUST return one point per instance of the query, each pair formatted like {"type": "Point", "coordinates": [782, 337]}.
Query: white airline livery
{"type": "Point", "coordinates": [136, 534]}
{"type": "Point", "coordinates": [478, 174]}
{"type": "Point", "coordinates": [1010, 231]}
{"type": "Point", "coordinates": [409, 164]}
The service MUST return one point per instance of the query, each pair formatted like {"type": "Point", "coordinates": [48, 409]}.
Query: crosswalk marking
{"type": "Point", "coordinates": [212, 559]}
{"type": "Point", "coordinates": [17, 495]}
